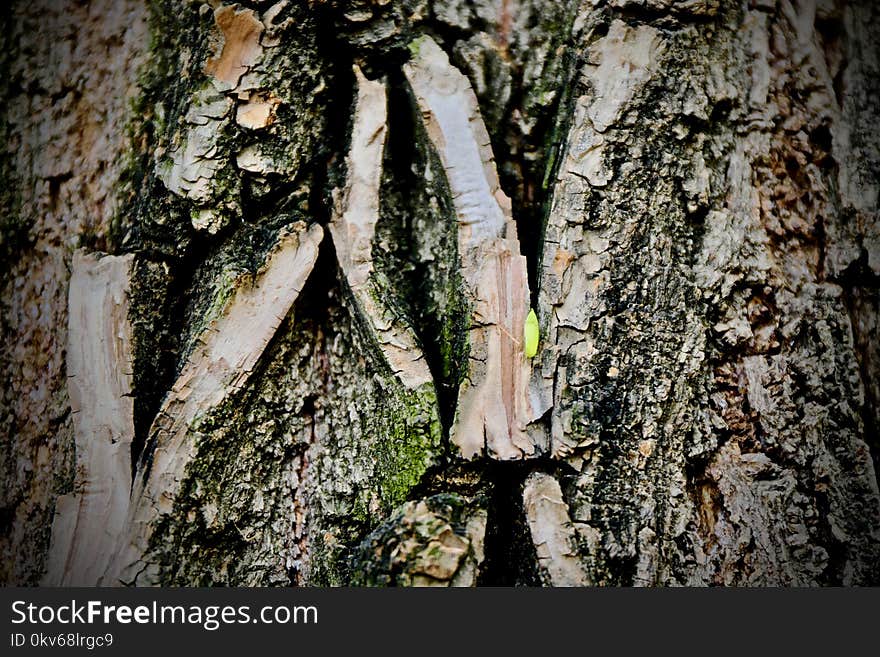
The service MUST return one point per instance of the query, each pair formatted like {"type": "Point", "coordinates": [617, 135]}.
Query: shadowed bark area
{"type": "Point", "coordinates": [316, 230]}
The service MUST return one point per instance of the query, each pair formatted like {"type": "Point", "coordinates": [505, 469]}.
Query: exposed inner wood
{"type": "Point", "coordinates": [241, 44]}
{"type": "Point", "coordinates": [258, 111]}
{"type": "Point", "coordinates": [89, 520]}
{"type": "Point", "coordinates": [708, 366]}
{"type": "Point", "coordinates": [493, 405]}
{"type": "Point", "coordinates": [230, 348]}
{"type": "Point", "coordinates": [353, 227]}
{"type": "Point", "coordinates": [552, 531]}
{"type": "Point", "coordinates": [68, 88]}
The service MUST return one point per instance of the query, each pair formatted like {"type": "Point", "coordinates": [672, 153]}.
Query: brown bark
{"type": "Point", "coordinates": [685, 192]}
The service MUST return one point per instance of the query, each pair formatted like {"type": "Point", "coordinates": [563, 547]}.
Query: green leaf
{"type": "Point", "coordinates": [531, 334]}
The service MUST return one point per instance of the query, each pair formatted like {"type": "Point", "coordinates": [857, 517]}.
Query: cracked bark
{"type": "Point", "coordinates": [493, 405]}
{"type": "Point", "coordinates": [686, 192]}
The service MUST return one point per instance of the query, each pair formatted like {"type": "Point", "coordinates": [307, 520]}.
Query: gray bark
{"type": "Point", "coordinates": [324, 297]}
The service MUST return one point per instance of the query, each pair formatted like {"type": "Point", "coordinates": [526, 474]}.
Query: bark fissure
{"type": "Point", "coordinates": [685, 193]}
{"type": "Point", "coordinates": [493, 404]}
{"type": "Point", "coordinates": [420, 249]}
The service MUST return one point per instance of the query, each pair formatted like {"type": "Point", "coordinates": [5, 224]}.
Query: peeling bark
{"type": "Point", "coordinates": [69, 76]}
{"type": "Point", "coordinates": [241, 45]}
{"type": "Point", "coordinates": [691, 311]}
{"type": "Point", "coordinates": [552, 531]}
{"type": "Point", "coordinates": [686, 192]}
{"type": "Point", "coordinates": [354, 227]}
{"type": "Point", "coordinates": [228, 351]}
{"type": "Point", "coordinates": [575, 260]}
{"type": "Point", "coordinates": [89, 522]}
{"type": "Point", "coordinates": [493, 406]}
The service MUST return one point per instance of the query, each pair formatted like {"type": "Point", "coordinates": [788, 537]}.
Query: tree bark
{"type": "Point", "coordinates": [267, 268]}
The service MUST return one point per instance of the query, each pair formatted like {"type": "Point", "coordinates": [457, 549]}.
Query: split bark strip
{"type": "Point", "coordinates": [493, 405]}
{"type": "Point", "coordinates": [552, 531]}
{"type": "Point", "coordinates": [230, 348]}
{"type": "Point", "coordinates": [353, 227]}
{"type": "Point", "coordinates": [89, 521]}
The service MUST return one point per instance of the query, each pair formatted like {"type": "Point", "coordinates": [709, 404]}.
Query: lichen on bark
{"type": "Point", "coordinates": [707, 470]}
{"type": "Point", "coordinates": [685, 191]}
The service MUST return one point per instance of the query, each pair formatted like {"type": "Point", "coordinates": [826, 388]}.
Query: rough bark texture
{"type": "Point", "coordinates": [219, 367]}
{"type": "Point", "coordinates": [493, 406]}
{"type": "Point", "coordinates": [685, 192]}
{"type": "Point", "coordinates": [703, 380]}
{"type": "Point", "coordinates": [69, 74]}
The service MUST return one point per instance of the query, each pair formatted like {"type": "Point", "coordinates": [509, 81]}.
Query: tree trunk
{"type": "Point", "coordinates": [268, 267]}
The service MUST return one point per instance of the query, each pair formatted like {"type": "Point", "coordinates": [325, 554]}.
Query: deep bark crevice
{"type": "Point", "coordinates": [429, 286]}
{"type": "Point", "coordinates": [635, 14]}
{"type": "Point", "coordinates": [709, 295]}
{"type": "Point", "coordinates": [861, 292]}
{"type": "Point", "coordinates": [511, 559]}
